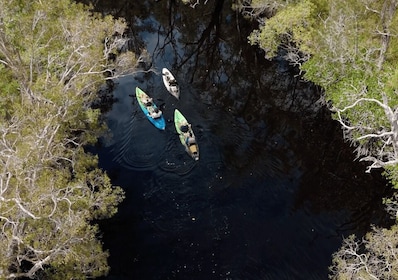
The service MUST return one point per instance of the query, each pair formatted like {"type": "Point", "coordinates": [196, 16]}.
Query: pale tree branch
{"type": "Point", "coordinates": [46, 202]}
{"type": "Point", "coordinates": [373, 257]}
{"type": "Point", "coordinates": [378, 155]}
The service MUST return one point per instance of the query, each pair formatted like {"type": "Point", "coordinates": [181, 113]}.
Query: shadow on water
{"type": "Point", "coordinates": [275, 188]}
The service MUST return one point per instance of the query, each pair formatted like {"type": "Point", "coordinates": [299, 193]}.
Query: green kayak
{"type": "Point", "coordinates": [186, 135]}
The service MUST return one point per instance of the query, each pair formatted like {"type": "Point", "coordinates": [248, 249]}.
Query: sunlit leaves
{"type": "Point", "coordinates": [373, 257]}
{"type": "Point", "coordinates": [350, 49]}
{"type": "Point", "coordinates": [8, 93]}
{"type": "Point", "coordinates": [292, 23]}
{"type": "Point", "coordinates": [53, 55]}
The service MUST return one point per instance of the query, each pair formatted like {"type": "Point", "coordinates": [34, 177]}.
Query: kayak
{"type": "Point", "coordinates": [186, 135]}
{"type": "Point", "coordinates": [170, 83]}
{"type": "Point", "coordinates": [151, 111]}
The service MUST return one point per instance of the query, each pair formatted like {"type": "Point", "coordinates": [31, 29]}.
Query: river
{"type": "Point", "coordinates": [276, 187]}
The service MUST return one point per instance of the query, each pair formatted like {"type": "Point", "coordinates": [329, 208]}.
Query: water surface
{"type": "Point", "coordinates": [275, 188]}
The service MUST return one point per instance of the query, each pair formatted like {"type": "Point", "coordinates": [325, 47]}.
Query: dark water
{"type": "Point", "coordinates": [275, 188]}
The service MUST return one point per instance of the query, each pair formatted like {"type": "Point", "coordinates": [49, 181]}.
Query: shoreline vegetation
{"type": "Point", "coordinates": [54, 56]}
{"type": "Point", "coordinates": [349, 48]}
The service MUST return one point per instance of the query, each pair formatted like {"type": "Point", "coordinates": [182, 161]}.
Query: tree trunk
{"type": "Point", "coordinates": [387, 14]}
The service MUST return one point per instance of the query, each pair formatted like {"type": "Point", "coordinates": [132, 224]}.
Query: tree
{"type": "Point", "coordinates": [349, 49]}
{"type": "Point", "coordinates": [373, 257]}
{"type": "Point", "coordinates": [53, 56]}
{"type": "Point", "coordinates": [259, 9]}
{"type": "Point", "coordinates": [354, 63]}
{"type": "Point", "coordinates": [289, 26]}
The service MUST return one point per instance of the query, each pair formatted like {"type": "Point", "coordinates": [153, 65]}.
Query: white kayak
{"type": "Point", "coordinates": [170, 83]}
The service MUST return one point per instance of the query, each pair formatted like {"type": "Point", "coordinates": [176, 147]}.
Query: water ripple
{"type": "Point", "coordinates": [133, 150]}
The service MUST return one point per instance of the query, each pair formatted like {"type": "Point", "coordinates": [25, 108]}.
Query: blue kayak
{"type": "Point", "coordinates": [151, 111]}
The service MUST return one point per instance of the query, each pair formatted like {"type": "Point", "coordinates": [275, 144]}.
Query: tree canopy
{"type": "Point", "coordinates": [348, 48]}
{"type": "Point", "coordinates": [54, 54]}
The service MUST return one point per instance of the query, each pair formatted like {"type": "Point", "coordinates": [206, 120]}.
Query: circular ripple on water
{"type": "Point", "coordinates": [176, 160]}
{"type": "Point", "coordinates": [133, 145]}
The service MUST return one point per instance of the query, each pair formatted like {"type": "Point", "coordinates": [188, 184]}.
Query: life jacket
{"type": "Point", "coordinates": [193, 149]}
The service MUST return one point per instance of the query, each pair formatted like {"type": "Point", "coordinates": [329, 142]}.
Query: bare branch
{"type": "Point", "coordinates": [385, 154]}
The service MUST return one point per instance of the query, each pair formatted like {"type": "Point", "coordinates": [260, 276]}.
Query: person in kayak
{"type": "Point", "coordinates": [187, 132]}
{"type": "Point", "coordinates": [148, 101]}
{"type": "Point", "coordinates": [154, 112]}
{"type": "Point", "coordinates": [173, 83]}
{"type": "Point", "coordinates": [190, 140]}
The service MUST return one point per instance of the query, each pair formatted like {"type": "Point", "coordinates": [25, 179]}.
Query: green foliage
{"type": "Point", "coordinates": [8, 93]}
{"type": "Point", "coordinates": [294, 24]}
{"type": "Point", "coordinates": [350, 49]}
{"type": "Point", "coordinates": [391, 173]}
{"type": "Point", "coordinates": [374, 257]}
{"type": "Point", "coordinates": [88, 256]}
{"type": "Point", "coordinates": [52, 59]}
{"type": "Point", "coordinates": [344, 48]}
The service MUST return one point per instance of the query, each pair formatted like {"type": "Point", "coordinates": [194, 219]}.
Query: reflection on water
{"type": "Point", "coordinates": [275, 188]}
{"type": "Point", "coordinates": [138, 146]}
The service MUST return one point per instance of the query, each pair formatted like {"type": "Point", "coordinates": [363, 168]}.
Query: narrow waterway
{"type": "Point", "coordinates": [275, 189]}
